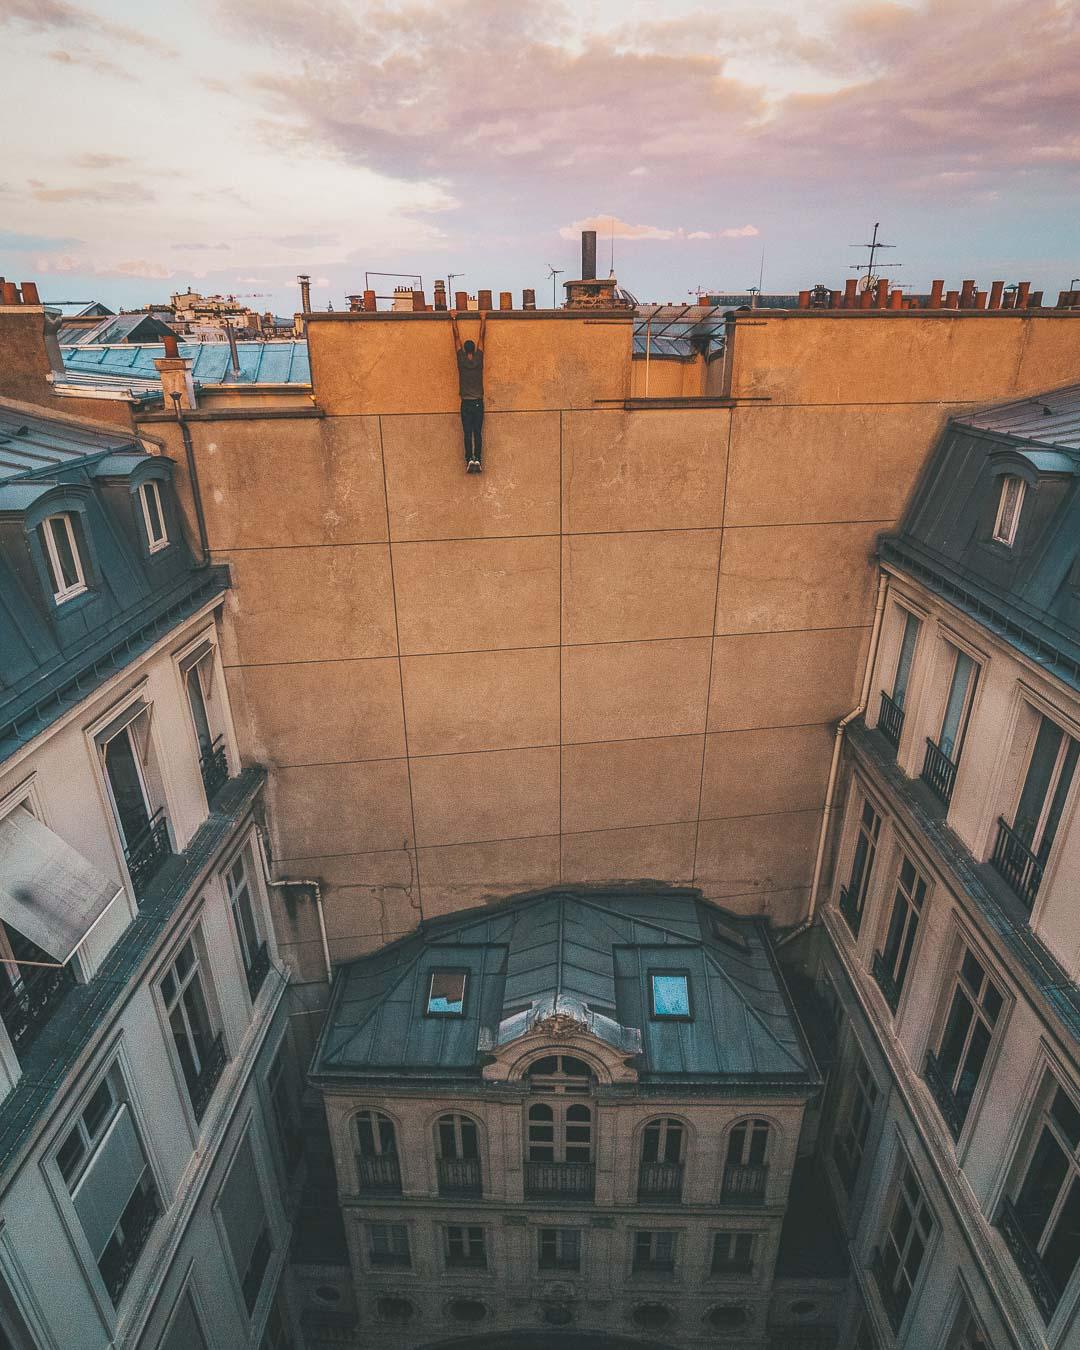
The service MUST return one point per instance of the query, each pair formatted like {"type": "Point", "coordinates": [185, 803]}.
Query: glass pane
{"type": "Point", "coordinates": [954, 706]}
{"type": "Point", "coordinates": [1039, 1192]}
{"type": "Point", "coordinates": [670, 996]}
{"type": "Point", "coordinates": [447, 1139]}
{"type": "Point", "coordinates": [650, 1150]}
{"type": "Point", "coordinates": [365, 1135]}
{"type": "Point", "coordinates": [98, 1108]}
{"type": "Point", "coordinates": [69, 571]}
{"type": "Point", "coordinates": [972, 973]}
{"type": "Point", "coordinates": [1067, 1116]}
{"type": "Point", "coordinates": [1062, 1252]}
{"type": "Point", "coordinates": [70, 1154]}
{"type": "Point", "coordinates": [183, 1047]}
{"type": "Point", "coordinates": [955, 1034]}
{"type": "Point", "coordinates": [903, 665]}
{"type": "Point", "coordinates": [736, 1144]}
{"type": "Point", "coordinates": [973, 1063]}
{"type": "Point", "coordinates": [673, 1142]}
{"type": "Point", "coordinates": [198, 711]}
{"type": "Point", "coordinates": [858, 865]}
{"type": "Point", "coordinates": [578, 1112]}
{"type": "Point", "coordinates": [155, 528]}
{"type": "Point", "coordinates": [123, 774]}
{"type": "Point", "coordinates": [759, 1140]}
{"type": "Point", "coordinates": [1053, 817]}
{"type": "Point", "coordinates": [470, 1147]}
{"type": "Point", "coordinates": [447, 993]}
{"type": "Point", "coordinates": [896, 930]}
{"type": "Point", "coordinates": [1037, 781]}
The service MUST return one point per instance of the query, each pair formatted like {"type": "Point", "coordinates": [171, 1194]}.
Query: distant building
{"type": "Point", "coordinates": [204, 317]}
{"type": "Point", "coordinates": [124, 329]}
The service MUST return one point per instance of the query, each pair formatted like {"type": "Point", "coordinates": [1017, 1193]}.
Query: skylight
{"type": "Point", "coordinates": [446, 993]}
{"type": "Point", "coordinates": [670, 995]}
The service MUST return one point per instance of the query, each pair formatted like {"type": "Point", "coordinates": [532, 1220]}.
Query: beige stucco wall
{"type": "Point", "coordinates": [618, 652]}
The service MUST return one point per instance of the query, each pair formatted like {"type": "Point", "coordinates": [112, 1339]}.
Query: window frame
{"type": "Point", "coordinates": [873, 836]}
{"type": "Point", "coordinates": [267, 1288]}
{"type": "Point", "coordinates": [908, 617]}
{"type": "Point", "coordinates": [855, 1113]}
{"type": "Point", "coordinates": [61, 591]}
{"type": "Point", "coordinates": [559, 1262]}
{"type": "Point", "coordinates": [652, 975]}
{"type": "Point", "coordinates": [244, 857]}
{"type": "Point", "coordinates": [1011, 522]}
{"type": "Point", "coordinates": [954, 983]}
{"type": "Point", "coordinates": [918, 909]}
{"type": "Point", "coordinates": [146, 487]}
{"type": "Point", "coordinates": [215, 1025]}
{"type": "Point", "coordinates": [959, 653]}
{"type": "Point", "coordinates": [655, 1239]}
{"type": "Point", "coordinates": [398, 1254]}
{"type": "Point", "coordinates": [899, 1195]}
{"type": "Point", "coordinates": [436, 971]}
{"type": "Point", "coordinates": [717, 1270]}
{"type": "Point", "coordinates": [559, 1144]}
{"type": "Point", "coordinates": [468, 1258]}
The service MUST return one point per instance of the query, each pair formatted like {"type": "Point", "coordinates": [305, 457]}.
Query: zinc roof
{"type": "Point", "coordinates": [38, 446]}
{"type": "Point", "coordinates": [260, 362]}
{"type": "Point", "coordinates": [1049, 419]}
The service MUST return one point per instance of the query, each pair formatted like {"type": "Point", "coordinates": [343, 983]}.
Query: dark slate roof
{"type": "Point", "coordinates": [1028, 594]}
{"type": "Point", "coordinates": [52, 656]}
{"type": "Point", "coordinates": [118, 328]}
{"type": "Point", "coordinates": [585, 954]}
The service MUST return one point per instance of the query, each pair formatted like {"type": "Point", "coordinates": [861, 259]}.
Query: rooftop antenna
{"type": "Point", "coordinates": [761, 271]}
{"type": "Point", "coordinates": [611, 223]}
{"type": "Point", "coordinates": [874, 244]}
{"type": "Point", "coordinates": [554, 272]}
{"type": "Point", "coordinates": [450, 277]}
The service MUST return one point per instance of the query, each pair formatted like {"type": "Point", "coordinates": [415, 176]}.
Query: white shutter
{"type": "Point", "coordinates": [109, 1180]}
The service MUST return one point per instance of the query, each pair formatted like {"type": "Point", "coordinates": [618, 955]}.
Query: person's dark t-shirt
{"type": "Point", "coordinates": [470, 374]}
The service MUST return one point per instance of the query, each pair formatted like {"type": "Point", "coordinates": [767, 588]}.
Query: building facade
{"type": "Point", "coordinates": [953, 1123]}
{"type": "Point", "coordinates": [148, 1100]}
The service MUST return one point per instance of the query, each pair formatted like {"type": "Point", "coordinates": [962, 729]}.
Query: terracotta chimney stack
{"type": "Point", "coordinates": [850, 293]}
{"type": "Point", "coordinates": [936, 288]}
{"type": "Point", "coordinates": [995, 294]}
{"type": "Point", "coordinates": [30, 293]}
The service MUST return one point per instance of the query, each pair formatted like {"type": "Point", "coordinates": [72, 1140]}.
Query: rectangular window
{"type": "Point", "coordinates": [732, 1253]}
{"type": "Point", "coordinates": [560, 1249]}
{"type": "Point", "coordinates": [669, 995]}
{"type": "Point", "coordinates": [200, 1051]}
{"type": "Point", "coordinates": [853, 1121]}
{"type": "Point", "coordinates": [1022, 851]}
{"type": "Point", "coordinates": [1041, 1224]}
{"type": "Point", "coordinates": [253, 949]}
{"type": "Point", "coordinates": [102, 1161]}
{"type": "Point", "coordinates": [286, 1117]}
{"type": "Point", "coordinates": [899, 1259]}
{"type": "Point", "coordinates": [1008, 513]}
{"type": "Point", "coordinates": [465, 1247]}
{"type": "Point", "coordinates": [389, 1245]}
{"type": "Point", "coordinates": [890, 966]}
{"type": "Point", "coordinates": [953, 1073]}
{"type": "Point", "coordinates": [157, 536]}
{"type": "Point", "coordinates": [197, 672]}
{"type": "Point", "coordinates": [446, 993]}
{"type": "Point", "coordinates": [246, 1227]}
{"type": "Point", "coordinates": [904, 660]}
{"type": "Point", "coordinates": [654, 1252]}
{"type": "Point", "coordinates": [957, 705]}
{"type": "Point", "coordinates": [61, 548]}
{"type": "Point", "coordinates": [853, 896]}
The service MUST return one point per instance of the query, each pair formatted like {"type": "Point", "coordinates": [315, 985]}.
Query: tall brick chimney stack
{"type": "Point", "coordinates": [175, 372]}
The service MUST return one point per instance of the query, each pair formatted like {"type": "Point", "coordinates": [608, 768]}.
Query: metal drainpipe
{"type": "Point", "coordinates": [841, 727]}
{"type": "Point", "coordinates": [316, 887]}
{"type": "Point", "coordinates": [193, 476]}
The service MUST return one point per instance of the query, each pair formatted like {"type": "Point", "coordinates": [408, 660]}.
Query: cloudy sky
{"type": "Point", "coordinates": [228, 145]}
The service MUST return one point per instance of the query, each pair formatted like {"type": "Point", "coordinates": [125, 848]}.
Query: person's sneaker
{"type": "Point", "coordinates": [473, 466]}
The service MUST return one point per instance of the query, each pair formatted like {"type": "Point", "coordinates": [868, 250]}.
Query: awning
{"type": "Point", "coordinates": [48, 891]}
{"type": "Point", "coordinates": [122, 720]}
{"type": "Point", "coordinates": [197, 657]}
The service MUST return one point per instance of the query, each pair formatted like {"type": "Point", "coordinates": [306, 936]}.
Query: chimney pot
{"type": "Point", "coordinates": [980, 299]}
{"type": "Point", "coordinates": [418, 302]}
{"type": "Point", "coordinates": [850, 292]}
{"type": "Point", "coordinates": [172, 349]}
{"type": "Point", "coordinates": [461, 300]}
{"type": "Point", "coordinates": [528, 299]}
{"type": "Point", "coordinates": [896, 300]}
{"type": "Point", "coordinates": [1035, 300]}
{"type": "Point", "coordinates": [952, 299]}
{"type": "Point", "coordinates": [967, 294]}
{"type": "Point", "coordinates": [355, 303]}
{"type": "Point", "coordinates": [11, 294]}
{"type": "Point", "coordinates": [834, 299]}
{"type": "Point", "coordinates": [995, 294]}
{"type": "Point", "coordinates": [483, 299]}
{"type": "Point", "coordinates": [440, 295]}
{"type": "Point", "coordinates": [936, 288]}
{"type": "Point", "coordinates": [305, 293]}
{"type": "Point", "coordinates": [506, 300]}
{"type": "Point", "coordinates": [866, 299]}
{"type": "Point", "coordinates": [881, 292]}
{"type": "Point", "coordinates": [30, 293]}
{"type": "Point", "coordinates": [369, 301]}
{"type": "Point", "coordinates": [1022, 294]}
{"type": "Point", "coordinates": [804, 299]}
{"type": "Point", "coordinates": [588, 255]}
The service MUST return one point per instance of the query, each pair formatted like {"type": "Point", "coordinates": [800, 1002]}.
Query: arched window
{"type": "Point", "coordinates": [559, 1134]}
{"type": "Point", "coordinates": [746, 1167]}
{"type": "Point", "coordinates": [560, 1074]}
{"type": "Point", "coordinates": [377, 1157]}
{"type": "Point", "coordinates": [458, 1156]}
{"type": "Point", "coordinates": [663, 1151]}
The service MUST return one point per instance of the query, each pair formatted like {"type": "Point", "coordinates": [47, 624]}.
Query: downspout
{"type": "Point", "coordinates": [841, 727]}
{"type": "Point", "coordinates": [316, 890]}
{"type": "Point", "coordinates": [193, 477]}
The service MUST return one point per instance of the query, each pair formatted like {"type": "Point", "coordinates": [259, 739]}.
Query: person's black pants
{"type": "Point", "coordinates": [472, 423]}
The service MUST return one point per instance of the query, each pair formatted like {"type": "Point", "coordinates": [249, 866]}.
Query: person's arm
{"type": "Point", "coordinates": [457, 332]}
{"type": "Point", "coordinates": [483, 325]}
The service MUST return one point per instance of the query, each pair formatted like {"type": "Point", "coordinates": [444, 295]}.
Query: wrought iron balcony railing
{"type": "Point", "coordinates": [892, 1300]}
{"type": "Point", "coordinates": [852, 916]}
{"type": "Point", "coordinates": [744, 1183]}
{"type": "Point", "coordinates": [1014, 861]}
{"type": "Point", "coordinates": [460, 1177]}
{"type": "Point", "coordinates": [660, 1181]}
{"type": "Point", "coordinates": [258, 970]}
{"type": "Point", "coordinates": [1028, 1261]}
{"type": "Point", "coordinates": [148, 851]}
{"type": "Point", "coordinates": [214, 765]}
{"type": "Point", "coordinates": [883, 977]}
{"type": "Point", "coordinates": [890, 720]}
{"type": "Point", "coordinates": [27, 1006]}
{"type": "Point", "coordinates": [938, 771]}
{"type": "Point", "coordinates": [941, 1088]}
{"type": "Point", "coordinates": [202, 1089]}
{"type": "Point", "coordinates": [551, 1180]}
{"type": "Point", "coordinates": [379, 1174]}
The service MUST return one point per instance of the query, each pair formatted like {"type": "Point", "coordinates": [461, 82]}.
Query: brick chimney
{"type": "Point", "coordinates": [590, 292]}
{"type": "Point", "coordinates": [175, 372]}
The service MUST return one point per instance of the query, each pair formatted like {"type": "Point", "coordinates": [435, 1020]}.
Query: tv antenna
{"type": "Point", "coordinates": [554, 272]}
{"type": "Point", "coordinates": [874, 244]}
{"type": "Point", "coordinates": [450, 277]}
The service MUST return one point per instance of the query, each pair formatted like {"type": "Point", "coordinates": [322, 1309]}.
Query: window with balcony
{"type": "Point", "coordinates": [954, 1070]}
{"type": "Point", "coordinates": [663, 1156]}
{"type": "Point", "coordinates": [153, 514]}
{"type": "Point", "coordinates": [559, 1150]}
{"type": "Point", "coordinates": [890, 965]}
{"type": "Point", "coordinates": [197, 670]}
{"type": "Point", "coordinates": [732, 1253]}
{"type": "Point", "coordinates": [135, 794]}
{"type": "Point", "coordinates": [853, 1120]}
{"type": "Point", "coordinates": [1010, 504]}
{"type": "Point", "coordinates": [465, 1249]}
{"type": "Point", "coordinates": [253, 949]}
{"type": "Point", "coordinates": [1021, 850]}
{"type": "Point", "coordinates": [458, 1156]}
{"type": "Point", "coordinates": [103, 1164]}
{"type": "Point", "coordinates": [746, 1166]}
{"type": "Point", "coordinates": [379, 1172]}
{"type": "Point", "coordinates": [388, 1246]}
{"type": "Point", "coordinates": [943, 755]}
{"type": "Point", "coordinates": [60, 537]}
{"type": "Point", "coordinates": [891, 715]}
{"type": "Point", "coordinates": [1040, 1216]}
{"type": "Point", "coordinates": [244, 1215]}
{"type": "Point", "coordinates": [560, 1249]}
{"type": "Point", "coordinates": [654, 1252]}
{"type": "Point", "coordinates": [32, 986]}
{"type": "Point", "coordinates": [853, 895]}
{"type": "Point", "coordinates": [200, 1047]}
{"type": "Point", "coordinates": [904, 1242]}
{"type": "Point", "coordinates": [446, 993]}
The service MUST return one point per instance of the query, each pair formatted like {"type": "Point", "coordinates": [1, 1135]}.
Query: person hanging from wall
{"type": "Point", "coordinates": [470, 361]}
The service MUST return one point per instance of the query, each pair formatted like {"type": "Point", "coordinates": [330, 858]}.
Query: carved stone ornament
{"type": "Point", "coordinates": [560, 1026]}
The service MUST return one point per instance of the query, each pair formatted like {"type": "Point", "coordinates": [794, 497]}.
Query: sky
{"type": "Point", "coordinates": [228, 146]}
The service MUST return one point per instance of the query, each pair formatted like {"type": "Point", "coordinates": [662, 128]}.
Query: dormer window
{"type": "Point", "coordinates": [157, 535]}
{"type": "Point", "coordinates": [446, 993]}
{"type": "Point", "coordinates": [1008, 512]}
{"type": "Point", "coordinates": [58, 539]}
{"type": "Point", "coordinates": [669, 995]}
